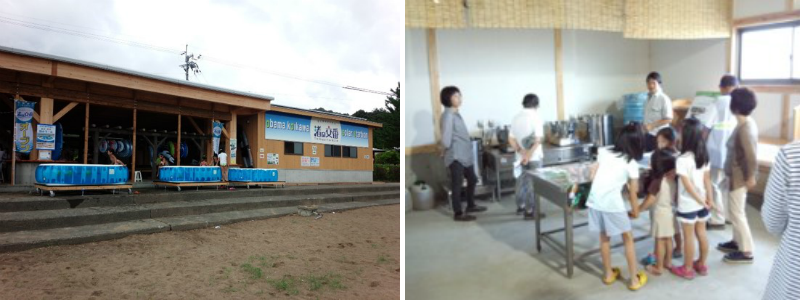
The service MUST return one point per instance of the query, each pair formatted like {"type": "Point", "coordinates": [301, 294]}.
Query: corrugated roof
{"type": "Point", "coordinates": [131, 72]}
{"type": "Point", "coordinates": [323, 112]}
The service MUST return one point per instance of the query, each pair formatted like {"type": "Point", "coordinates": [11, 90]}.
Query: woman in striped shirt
{"type": "Point", "coordinates": [781, 214]}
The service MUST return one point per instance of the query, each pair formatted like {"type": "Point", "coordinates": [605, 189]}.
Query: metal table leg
{"type": "Point", "coordinates": [537, 207]}
{"type": "Point", "coordinates": [569, 240]}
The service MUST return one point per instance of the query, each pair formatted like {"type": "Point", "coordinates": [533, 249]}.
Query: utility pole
{"type": "Point", "coordinates": [190, 64]}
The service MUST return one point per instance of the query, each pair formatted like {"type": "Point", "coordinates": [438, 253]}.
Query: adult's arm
{"type": "Point", "coordinates": [775, 211]}
{"type": "Point", "coordinates": [749, 150]}
{"type": "Point", "coordinates": [447, 130]}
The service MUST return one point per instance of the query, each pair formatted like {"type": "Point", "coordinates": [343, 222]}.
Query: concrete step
{"type": "Point", "coordinates": [26, 202]}
{"type": "Point", "coordinates": [46, 219]}
{"type": "Point", "coordinates": [29, 239]}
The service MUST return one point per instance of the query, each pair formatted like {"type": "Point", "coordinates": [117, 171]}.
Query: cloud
{"type": "Point", "coordinates": [350, 42]}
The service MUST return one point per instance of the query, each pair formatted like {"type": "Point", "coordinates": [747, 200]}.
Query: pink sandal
{"type": "Point", "coordinates": [701, 270]}
{"type": "Point", "coordinates": [682, 272]}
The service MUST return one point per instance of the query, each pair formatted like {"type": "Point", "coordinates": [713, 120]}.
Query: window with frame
{"type": "Point", "coordinates": [766, 54]}
{"type": "Point", "coordinates": [333, 151]}
{"type": "Point", "coordinates": [349, 152]}
{"type": "Point", "coordinates": [293, 148]}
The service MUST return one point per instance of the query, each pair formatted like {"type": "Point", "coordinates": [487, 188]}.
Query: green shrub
{"type": "Point", "coordinates": [388, 158]}
{"type": "Point", "coordinates": [386, 172]}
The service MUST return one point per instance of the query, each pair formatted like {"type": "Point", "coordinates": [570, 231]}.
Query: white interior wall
{"type": "Point", "coordinates": [749, 8]}
{"type": "Point", "coordinates": [418, 123]}
{"type": "Point", "coordinates": [494, 69]}
{"type": "Point", "coordinates": [689, 66]}
{"type": "Point", "coordinates": [599, 68]}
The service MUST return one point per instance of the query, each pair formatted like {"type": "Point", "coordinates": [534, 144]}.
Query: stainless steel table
{"type": "Point", "coordinates": [554, 184]}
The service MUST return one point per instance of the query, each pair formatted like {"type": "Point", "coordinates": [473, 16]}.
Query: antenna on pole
{"type": "Point", "coordinates": [190, 64]}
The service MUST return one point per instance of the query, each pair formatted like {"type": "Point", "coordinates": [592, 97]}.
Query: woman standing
{"type": "Point", "coordinates": [781, 214]}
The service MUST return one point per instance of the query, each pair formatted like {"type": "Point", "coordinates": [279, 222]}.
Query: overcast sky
{"type": "Point", "coordinates": [348, 42]}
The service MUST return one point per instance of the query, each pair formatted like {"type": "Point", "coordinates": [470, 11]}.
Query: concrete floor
{"type": "Point", "coordinates": [496, 258]}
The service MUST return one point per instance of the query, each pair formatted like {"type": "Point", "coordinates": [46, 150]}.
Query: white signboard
{"type": "Point", "coordinates": [305, 161]}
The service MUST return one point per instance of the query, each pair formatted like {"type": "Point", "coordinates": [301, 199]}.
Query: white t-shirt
{"type": "Point", "coordinates": [613, 173]}
{"type": "Point", "coordinates": [526, 124]}
{"type": "Point", "coordinates": [223, 159]}
{"type": "Point", "coordinates": [686, 168]}
{"type": "Point", "coordinates": [716, 115]}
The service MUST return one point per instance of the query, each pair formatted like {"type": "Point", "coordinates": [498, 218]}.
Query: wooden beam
{"type": "Point", "coordinates": [194, 124]}
{"type": "Point", "coordinates": [225, 132]}
{"type": "Point", "coordinates": [559, 56]}
{"type": "Point", "coordinates": [178, 151]}
{"type": "Point", "coordinates": [767, 18]}
{"type": "Point", "coordinates": [776, 89]}
{"type": "Point", "coordinates": [433, 74]}
{"type": "Point", "coordinates": [796, 123]}
{"type": "Point", "coordinates": [86, 136]}
{"type": "Point", "coordinates": [789, 5]}
{"type": "Point", "coordinates": [431, 148]}
{"type": "Point", "coordinates": [232, 126]}
{"type": "Point", "coordinates": [133, 156]}
{"type": "Point", "coordinates": [785, 118]}
{"type": "Point", "coordinates": [105, 100]}
{"type": "Point", "coordinates": [64, 111]}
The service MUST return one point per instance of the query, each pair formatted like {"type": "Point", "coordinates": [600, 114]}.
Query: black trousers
{"type": "Point", "coordinates": [457, 173]}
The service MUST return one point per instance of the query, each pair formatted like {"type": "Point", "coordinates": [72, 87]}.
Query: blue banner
{"type": "Point", "coordinates": [297, 128]}
{"type": "Point", "coordinates": [23, 136]}
{"type": "Point", "coordinates": [216, 133]}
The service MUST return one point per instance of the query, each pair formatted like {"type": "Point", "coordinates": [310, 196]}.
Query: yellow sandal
{"type": "Point", "coordinates": [615, 275]}
{"type": "Point", "coordinates": [642, 281]}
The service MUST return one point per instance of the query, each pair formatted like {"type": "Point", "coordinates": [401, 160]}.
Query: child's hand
{"type": "Point", "coordinates": [709, 205]}
{"type": "Point", "coordinates": [751, 183]}
{"type": "Point", "coordinates": [633, 214]}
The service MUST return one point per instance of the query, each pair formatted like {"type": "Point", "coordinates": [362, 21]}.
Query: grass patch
{"type": "Point", "coordinates": [374, 246]}
{"type": "Point", "coordinates": [333, 281]}
{"type": "Point", "coordinates": [383, 259]}
{"type": "Point", "coordinates": [255, 272]}
{"type": "Point", "coordinates": [286, 284]}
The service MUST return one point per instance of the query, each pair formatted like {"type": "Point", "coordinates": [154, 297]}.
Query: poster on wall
{"type": "Point", "coordinates": [295, 128]}
{"type": "Point", "coordinates": [45, 137]}
{"type": "Point", "coordinates": [233, 151]}
{"type": "Point", "coordinates": [314, 150]}
{"type": "Point", "coordinates": [272, 158]}
{"type": "Point", "coordinates": [23, 134]}
{"type": "Point", "coordinates": [216, 133]}
{"type": "Point", "coordinates": [305, 161]}
{"type": "Point", "coordinates": [315, 161]}
{"type": "Point", "coordinates": [261, 155]}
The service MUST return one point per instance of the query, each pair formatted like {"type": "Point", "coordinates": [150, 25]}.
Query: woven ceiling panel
{"type": "Point", "coordinates": [603, 15]}
{"type": "Point", "coordinates": [516, 13]}
{"type": "Point", "coordinates": [677, 19]}
{"type": "Point", "coordinates": [435, 14]}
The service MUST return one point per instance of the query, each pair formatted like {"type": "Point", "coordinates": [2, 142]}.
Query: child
{"type": "Point", "coordinates": [665, 139]}
{"type": "Point", "coordinates": [661, 189]}
{"type": "Point", "coordinates": [741, 169]}
{"type": "Point", "coordinates": [607, 213]}
{"type": "Point", "coordinates": [694, 198]}
{"type": "Point", "coordinates": [113, 158]}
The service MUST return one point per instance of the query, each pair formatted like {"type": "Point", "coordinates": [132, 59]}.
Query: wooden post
{"type": "Point", "coordinates": [133, 156]}
{"type": "Point", "coordinates": [796, 123]}
{"type": "Point", "coordinates": [178, 151]}
{"type": "Point", "coordinates": [559, 75]}
{"type": "Point", "coordinates": [433, 72]}
{"type": "Point", "coordinates": [14, 145]}
{"type": "Point", "coordinates": [232, 136]}
{"type": "Point", "coordinates": [86, 136]}
{"type": "Point", "coordinates": [785, 118]}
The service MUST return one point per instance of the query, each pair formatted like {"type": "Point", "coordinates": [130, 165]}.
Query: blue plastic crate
{"type": "Point", "coordinates": [78, 174]}
{"type": "Point", "coordinates": [190, 174]}
{"type": "Point", "coordinates": [253, 175]}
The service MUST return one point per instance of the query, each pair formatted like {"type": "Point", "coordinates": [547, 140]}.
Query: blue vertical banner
{"type": "Point", "coordinates": [217, 132]}
{"type": "Point", "coordinates": [23, 135]}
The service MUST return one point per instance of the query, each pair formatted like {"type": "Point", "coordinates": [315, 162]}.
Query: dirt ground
{"type": "Point", "coordinates": [350, 255]}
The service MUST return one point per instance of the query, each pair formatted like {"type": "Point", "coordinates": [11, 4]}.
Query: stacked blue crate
{"type": "Point", "coordinates": [253, 175]}
{"type": "Point", "coordinates": [77, 174]}
{"type": "Point", "coordinates": [189, 174]}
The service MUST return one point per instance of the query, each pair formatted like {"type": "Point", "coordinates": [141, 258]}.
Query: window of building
{"type": "Point", "coordinates": [333, 151]}
{"type": "Point", "coordinates": [766, 54]}
{"type": "Point", "coordinates": [293, 148]}
{"type": "Point", "coordinates": [350, 152]}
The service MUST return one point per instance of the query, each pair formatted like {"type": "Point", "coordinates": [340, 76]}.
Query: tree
{"type": "Point", "coordinates": [389, 136]}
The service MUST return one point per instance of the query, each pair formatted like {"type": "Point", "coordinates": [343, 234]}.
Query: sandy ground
{"type": "Point", "coordinates": [349, 255]}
